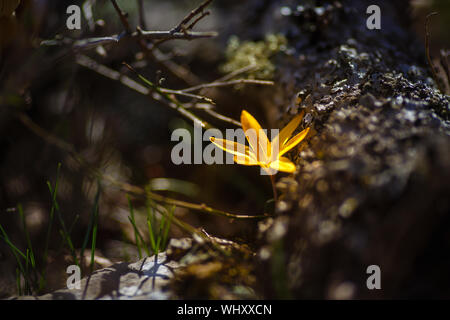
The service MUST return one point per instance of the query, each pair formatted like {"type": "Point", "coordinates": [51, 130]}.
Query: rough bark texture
{"type": "Point", "coordinates": [372, 185]}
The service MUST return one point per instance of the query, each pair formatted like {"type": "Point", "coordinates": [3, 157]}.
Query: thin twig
{"type": "Point", "coordinates": [192, 25]}
{"type": "Point", "coordinates": [208, 108]}
{"type": "Point", "coordinates": [186, 94]}
{"type": "Point", "coordinates": [168, 35]}
{"type": "Point", "coordinates": [204, 14]}
{"type": "Point", "coordinates": [126, 187]}
{"type": "Point", "coordinates": [235, 73]}
{"type": "Point", "coordinates": [82, 44]}
{"type": "Point", "coordinates": [190, 16]}
{"type": "Point", "coordinates": [178, 106]}
{"type": "Point", "coordinates": [227, 83]}
{"type": "Point", "coordinates": [123, 16]}
{"type": "Point", "coordinates": [153, 53]}
{"type": "Point", "coordinates": [141, 11]}
{"type": "Point", "coordinates": [177, 70]}
{"type": "Point", "coordinates": [93, 65]}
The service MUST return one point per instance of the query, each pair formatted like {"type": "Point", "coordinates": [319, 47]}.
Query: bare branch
{"type": "Point", "coordinates": [178, 70]}
{"type": "Point", "coordinates": [93, 65]}
{"type": "Point", "coordinates": [227, 83]}
{"type": "Point", "coordinates": [154, 54]}
{"type": "Point", "coordinates": [185, 94]}
{"type": "Point", "coordinates": [209, 109]}
{"type": "Point", "coordinates": [235, 73]}
{"type": "Point", "coordinates": [159, 96]}
{"type": "Point", "coordinates": [141, 11]}
{"type": "Point", "coordinates": [204, 14]}
{"type": "Point", "coordinates": [174, 103]}
{"type": "Point", "coordinates": [123, 16]}
{"type": "Point", "coordinates": [168, 35]}
{"type": "Point", "coordinates": [82, 44]}
{"type": "Point", "coordinates": [190, 16]}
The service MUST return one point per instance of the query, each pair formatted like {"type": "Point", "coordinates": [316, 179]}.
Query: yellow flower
{"type": "Point", "coordinates": [268, 155]}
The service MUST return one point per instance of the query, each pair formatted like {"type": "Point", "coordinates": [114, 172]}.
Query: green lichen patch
{"type": "Point", "coordinates": [242, 54]}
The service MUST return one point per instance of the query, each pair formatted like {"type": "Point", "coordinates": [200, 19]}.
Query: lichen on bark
{"type": "Point", "coordinates": [372, 184]}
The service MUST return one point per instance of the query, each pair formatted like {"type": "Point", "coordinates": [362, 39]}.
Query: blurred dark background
{"type": "Point", "coordinates": [118, 130]}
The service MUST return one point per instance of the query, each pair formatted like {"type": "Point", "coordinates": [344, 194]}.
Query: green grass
{"type": "Point", "coordinates": [31, 277]}
{"type": "Point", "coordinates": [158, 229]}
{"type": "Point", "coordinates": [25, 261]}
{"type": "Point", "coordinates": [92, 226]}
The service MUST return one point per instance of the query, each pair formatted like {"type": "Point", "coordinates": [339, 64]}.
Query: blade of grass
{"type": "Point", "coordinates": [52, 213]}
{"type": "Point", "coordinates": [94, 240]}
{"type": "Point", "coordinates": [17, 254]}
{"type": "Point", "coordinates": [151, 234]}
{"type": "Point", "coordinates": [75, 220]}
{"type": "Point", "coordinates": [139, 236]}
{"type": "Point", "coordinates": [152, 205]}
{"type": "Point", "coordinates": [166, 230]}
{"type": "Point", "coordinates": [26, 261]}
{"type": "Point", "coordinates": [162, 223]}
{"type": "Point", "coordinates": [63, 231]}
{"type": "Point", "coordinates": [13, 248]}
{"type": "Point", "coordinates": [136, 232]}
{"type": "Point", "coordinates": [91, 221]}
{"type": "Point", "coordinates": [69, 243]}
{"type": "Point", "coordinates": [27, 236]}
{"type": "Point", "coordinates": [94, 231]}
{"type": "Point", "coordinates": [30, 254]}
{"type": "Point", "coordinates": [18, 282]}
{"type": "Point", "coordinates": [158, 237]}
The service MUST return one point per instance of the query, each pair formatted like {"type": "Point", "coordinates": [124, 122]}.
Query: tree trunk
{"type": "Point", "coordinates": [372, 181]}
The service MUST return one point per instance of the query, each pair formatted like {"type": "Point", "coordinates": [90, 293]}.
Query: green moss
{"type": "Point", "coordinates": [241, 54]}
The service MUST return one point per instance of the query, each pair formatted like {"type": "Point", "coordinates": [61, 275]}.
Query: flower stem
{"type": "Point", "coordinates": [274, 189]}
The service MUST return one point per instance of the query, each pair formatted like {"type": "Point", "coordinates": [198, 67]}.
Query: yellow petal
{"type": "Point", "coordinates": [246, 161]}
{"type": "Point", "coordinates": [293, 142]}
{"type": "Point", "coordinates": [286, 132]}
{"type": "Point", "coordinates": [262, 145]}
{"type": "Point", "coordinates": [280, 140]}
{"type": "Point", "coordinates": [283, 164]}
{"type": "Point", "coordinates": [239, 150]}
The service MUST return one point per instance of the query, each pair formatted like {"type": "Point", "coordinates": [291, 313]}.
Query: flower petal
{"type": "Point", "coordinates": [262, 145]}
{"type": "Point", "coordinates": [239, 150]}
{"type": "Point", "coordinates": [283, 164]}
{"type": "Point", "coordinates": [293, 142]}
{"type": "Point", "coordinates": [246, 160]}
{"type": "Point", "coordinates": [280, 140]}
{"type": "Point", "coordinates": [286, 132]}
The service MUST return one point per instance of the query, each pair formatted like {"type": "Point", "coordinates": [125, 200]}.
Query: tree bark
{"type": "Point", "coordinates": [372, 181]}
